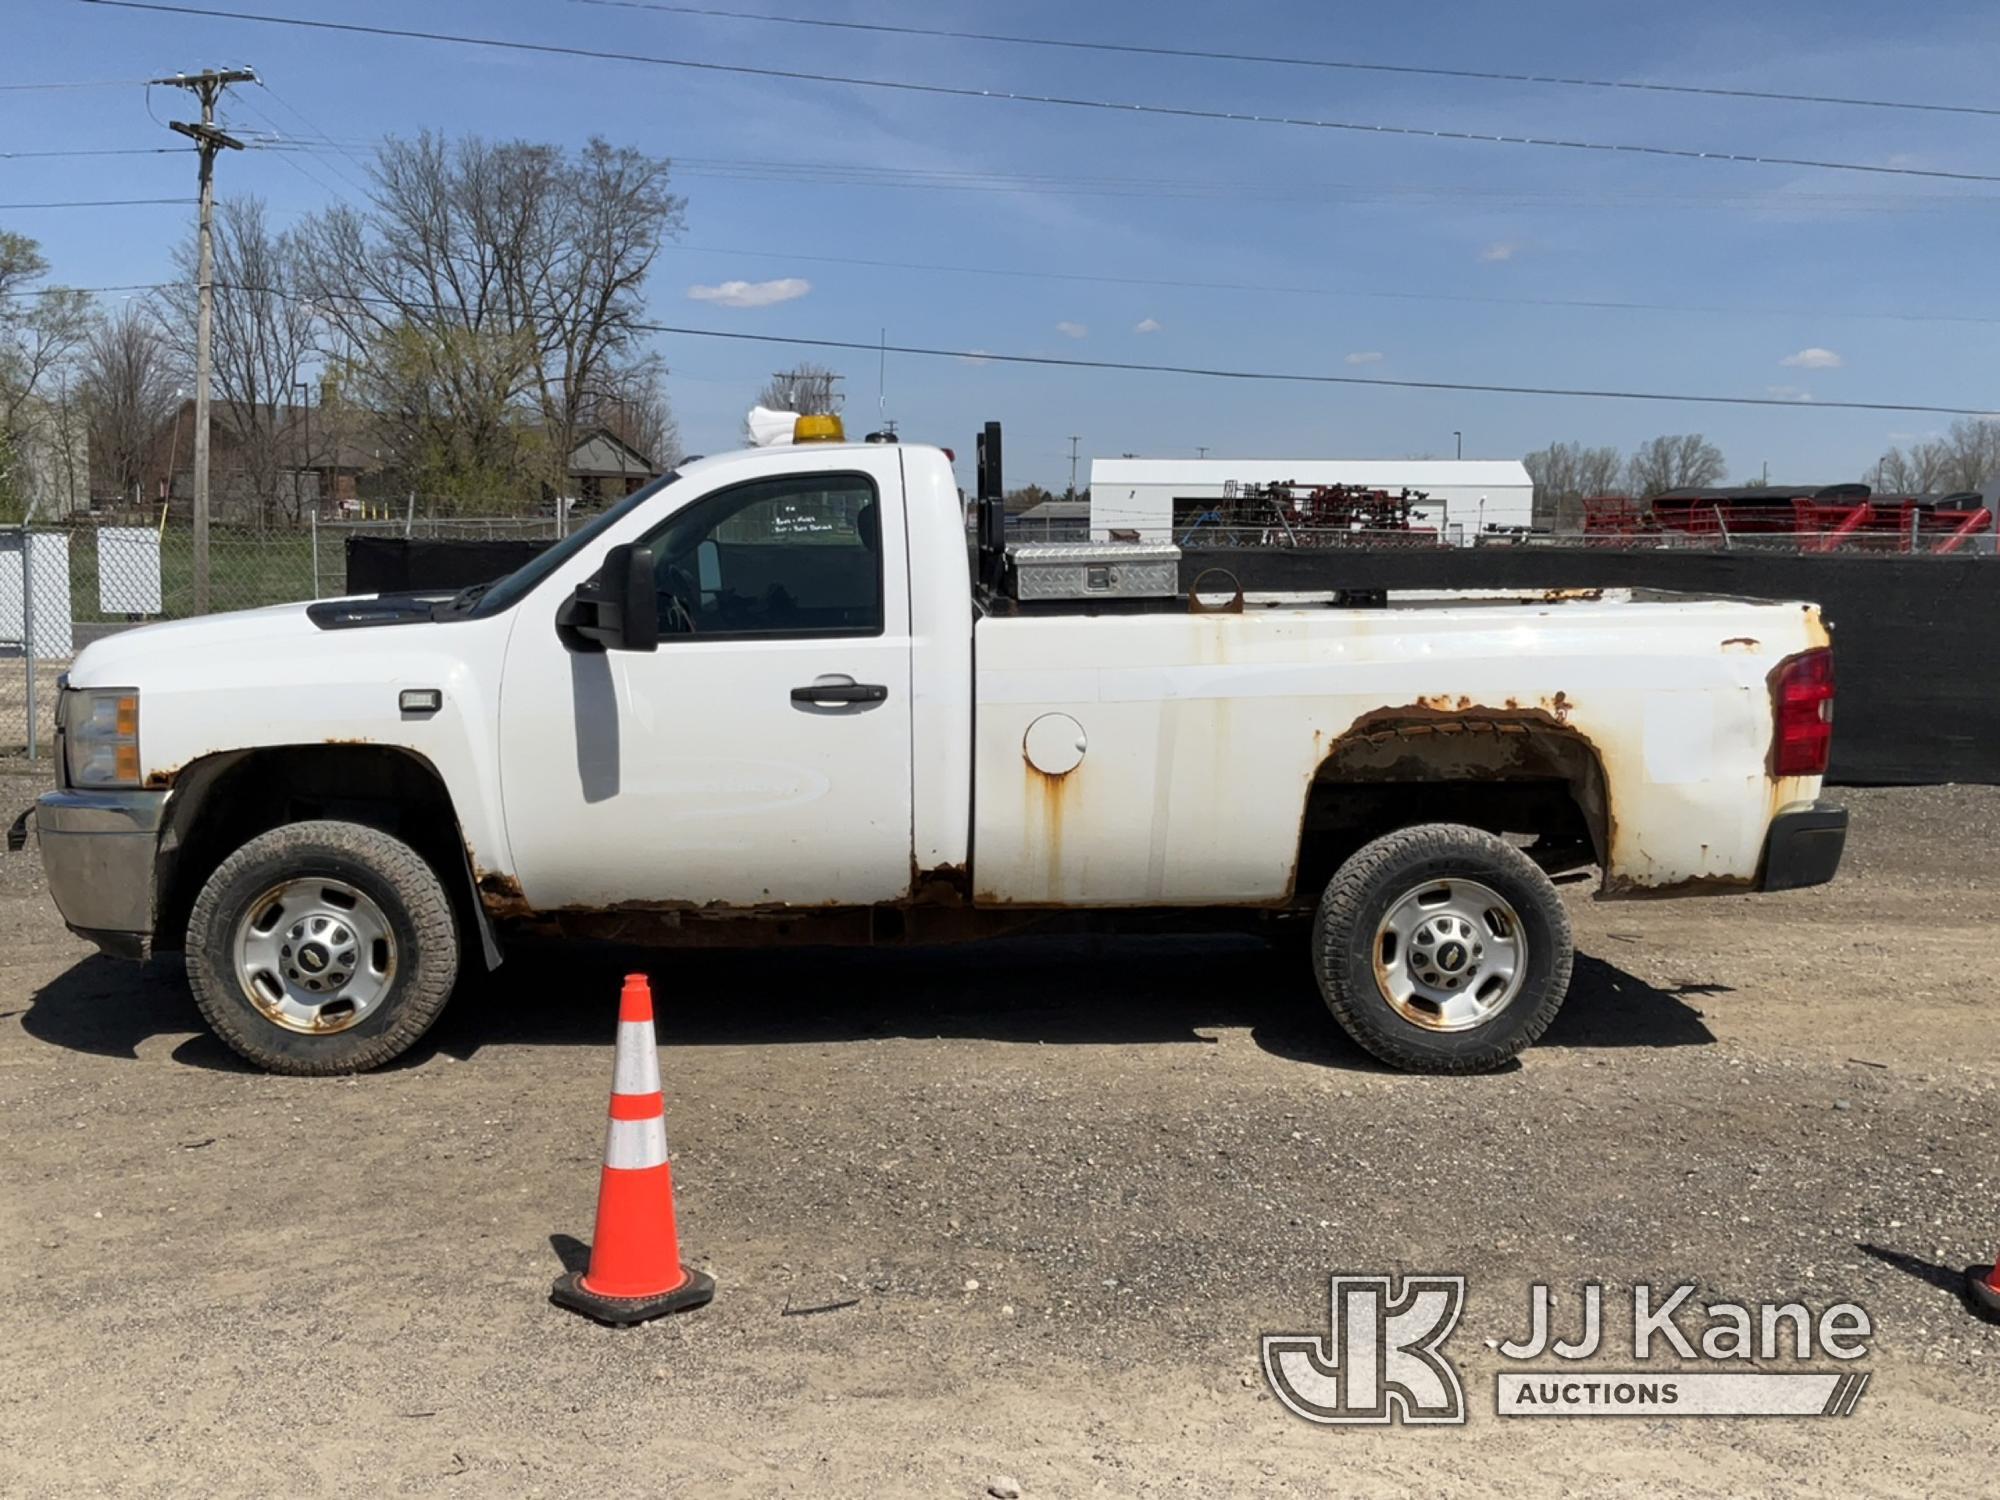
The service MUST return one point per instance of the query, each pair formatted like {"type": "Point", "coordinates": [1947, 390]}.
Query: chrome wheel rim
{"type": "Point", "coordinates": [1450, 954]}
{"type": "Point", "coordinates": [315, 955]}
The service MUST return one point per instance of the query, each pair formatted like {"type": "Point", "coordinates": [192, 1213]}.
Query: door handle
{"type": "Point", "coordinates": [844, 691]}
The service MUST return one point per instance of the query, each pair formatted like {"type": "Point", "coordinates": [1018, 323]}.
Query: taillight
{"type": "Point", "coordinates": [1802, 701]}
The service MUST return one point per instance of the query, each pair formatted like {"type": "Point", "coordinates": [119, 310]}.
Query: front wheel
{"type": "Point", "coordinates": [322, 947]}
{"type": "Point", "coordinates": [1442, 949]}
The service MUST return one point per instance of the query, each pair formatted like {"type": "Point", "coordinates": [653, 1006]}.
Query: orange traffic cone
{"type": "Point", "coordinates": [635, 1257]}
{"type": "Point", "coordinates": [1984, 1284]}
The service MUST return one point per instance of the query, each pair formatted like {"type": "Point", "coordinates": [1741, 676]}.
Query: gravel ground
{"type": "Point", "coordinates": [1063, 1185]}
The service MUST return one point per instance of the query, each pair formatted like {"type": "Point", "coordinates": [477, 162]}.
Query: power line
{"type": "Point", "coordinates": [1602, 305]}
{"type": "Point", "coordinates": [296, 113]}
{"type": "Point", "coordinates": [97, 151]}
{"type": "Point", "coordinates": [1189, 284]}
{"type": "Point", "coordinates": [1212, 373]}
{"type": "Point", "coordinates": [940, 179]}
{"type": "Point", "coordinates": [931, 180]}
{"type": "Point", "coordinates": [1585, 304]}
{"type": "Point", "coordinates": [1210, 55]}
{"type": "Point", "coordinates": [1183, 112]}
{"type": "Point", "coordinates": [1137, 367]}
{"type": "Point", "coordinates": [987, 356]}
{"type": "Point", "coordinates": [89, 83]}
{"type": "Point", "coordinates": [93, 291]}
{"type": "Point", "coordinates": [843, 174]}
{"type": "Point", "coordinates": [288, 146]}
{"type": "Point", "coordinates": [96, 203]}
{"type": "Point", "coordinates": [700, 166]}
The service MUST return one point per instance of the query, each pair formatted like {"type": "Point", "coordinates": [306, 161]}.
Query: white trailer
{"type": "Point", "coordinates": [1466, 496]}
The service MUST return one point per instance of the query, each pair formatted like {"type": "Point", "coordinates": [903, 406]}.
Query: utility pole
{"type": "Point", "coordinates": [1201, 453]}
{"type": "Point", "coordinates": [1074, 439]}
{"type": "Point", "coordinates": [1459, 437]}
{"type": "Point", "coordinates": [208, 140]}
{"type": "Point", "coordinates": [301, 460]}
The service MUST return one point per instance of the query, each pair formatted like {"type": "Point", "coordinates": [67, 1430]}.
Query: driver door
{"type": "Point", "coordinates": [760, 756]}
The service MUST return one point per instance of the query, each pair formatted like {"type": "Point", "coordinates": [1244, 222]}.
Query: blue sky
{"type": "Point", "coordinates": [1313, 218]}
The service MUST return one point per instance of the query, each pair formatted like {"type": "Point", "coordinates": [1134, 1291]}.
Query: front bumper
{"type": "Point", "coordinates": [1803, 848]}
{"type": "Point", "coordinates": [98, 850]}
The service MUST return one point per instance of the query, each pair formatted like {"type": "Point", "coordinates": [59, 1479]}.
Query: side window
{"type": "Point", "coordinates": [800, 556]}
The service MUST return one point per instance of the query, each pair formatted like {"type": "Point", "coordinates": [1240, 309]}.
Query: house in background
{"type": "Point", "coordinates": [603, 467]}
{"type": "Point", "coordinates": [332, 458]}
{"type": "Point", "coordinates": [322, 456]}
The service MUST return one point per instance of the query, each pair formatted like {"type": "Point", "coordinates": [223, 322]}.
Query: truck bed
{"type": "Point", "coordinates": [1203, 735]}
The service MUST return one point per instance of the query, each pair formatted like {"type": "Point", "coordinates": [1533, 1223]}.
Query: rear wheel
{"type": "Point", "coordinates": [1442, 949]}
{"type": "Point", "coordinates": [322, 947]}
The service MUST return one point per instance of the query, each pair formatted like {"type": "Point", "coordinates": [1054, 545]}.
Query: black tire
{"type": "Point", "coordinates": [1380, 874]}
{"type": "Point", "coordinates": [392, 875]}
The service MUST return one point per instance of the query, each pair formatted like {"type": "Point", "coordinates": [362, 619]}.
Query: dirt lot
{"type": "Point", "coordinates": [1143, 1153]}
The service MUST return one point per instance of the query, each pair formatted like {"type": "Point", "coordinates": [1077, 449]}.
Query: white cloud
{"type": "Point", "coordinates": [1813, 359]}
{"type": "Point", "coordinates": [751, 293]}
{"type": "Point", "coordinates": [976, 357]}
{"type": "Point", "coordinates": [1365, 357]}
{"type": "Point", "coordinates": [1499, 250]}
{"type": "Point", "coordinates": [1787, 393]}
{"type": "Point", "coordinates": [1147, 325]}
{"type": "Point", "coordinates": [1071, 330]}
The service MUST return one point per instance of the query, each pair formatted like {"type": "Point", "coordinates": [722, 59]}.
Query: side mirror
{"type": "Point", "coordinates": [617, 610]}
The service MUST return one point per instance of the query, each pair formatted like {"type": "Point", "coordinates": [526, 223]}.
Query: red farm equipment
{"type": "Point", "coordinates": [1839, 517]}
{"type": "Point", "coordinates": [1290, 514]}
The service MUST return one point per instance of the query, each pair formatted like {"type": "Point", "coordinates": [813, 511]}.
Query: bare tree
{"type": "Point", "coordinates": [1965, 458]}
{"type": "Point", "coordinates": [488, 295]}
{"type": "Point", "coordinates": [1683, 461]}
{"type": "Point", "coordinates": [1974, 447]}
{"type": "Point", "coordinates": [1917, 470]}
{"type": "Point", "coordinates": [265, 336]}
{"type": "Point", "coordinates": [805, 387]}
{"type": "Point", "coordinates": [127, 384]}
{"type": "Point", "coordinates": [632, 406]}
{"type": "Point", "coordinates": [41, 330]}
{"type": "Point", "coordinates": [1567, 474]}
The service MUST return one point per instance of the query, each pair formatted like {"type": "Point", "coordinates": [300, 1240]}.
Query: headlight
{"type": "Point", "coordinates": [101, 736]}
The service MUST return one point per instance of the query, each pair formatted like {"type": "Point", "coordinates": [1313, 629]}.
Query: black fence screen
{"type": "Point", "coordinates": [1916, 639]}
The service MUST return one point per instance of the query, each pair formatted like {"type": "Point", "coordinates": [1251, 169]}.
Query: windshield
{"type": "Point", "coordinates": [516, 586]}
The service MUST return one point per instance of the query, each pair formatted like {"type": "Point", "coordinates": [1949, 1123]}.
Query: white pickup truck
{"type": "Point", "coordinates": [763, 700]}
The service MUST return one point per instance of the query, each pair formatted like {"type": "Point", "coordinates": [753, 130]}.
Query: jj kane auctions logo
{"type": "Point", "coordinates": [1382, 1357]}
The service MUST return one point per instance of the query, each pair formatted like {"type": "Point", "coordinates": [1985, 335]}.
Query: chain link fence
{"type": "Point", "coordinates": [62, 587]}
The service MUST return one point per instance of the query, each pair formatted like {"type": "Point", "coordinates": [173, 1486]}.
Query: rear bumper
{"type": "Point", "coordinates": [98, 850]}
{"type": "Point", "coordinates": [1803, 848]}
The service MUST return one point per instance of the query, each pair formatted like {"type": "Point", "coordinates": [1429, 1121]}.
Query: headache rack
{"type": "Point", "coordinates": [1025, 577]}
